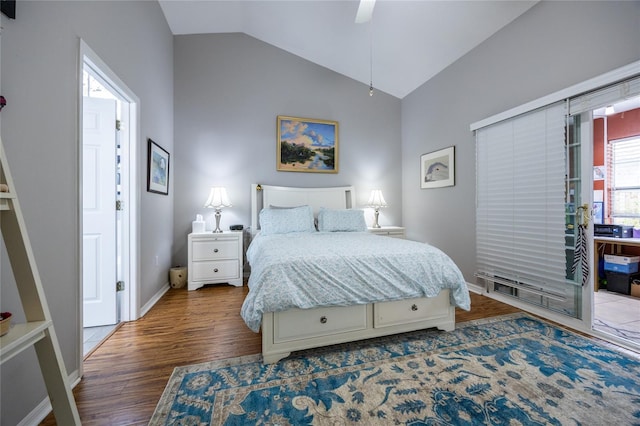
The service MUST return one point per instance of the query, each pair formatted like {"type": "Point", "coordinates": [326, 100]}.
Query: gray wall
{"type": "Point", "coordinates": [229, 89]}
{"type": "Point", "coordinates": [40, 133]}
{"type": "Point", "coordinates": [553, 46]}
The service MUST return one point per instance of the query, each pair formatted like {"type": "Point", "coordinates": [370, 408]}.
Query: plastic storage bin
{"type": "Point", "coordinates": [623, 268]}
{"type": "Point", "coordinates": [621, 259]}
{"type": "Point", "coordinates": [620, 283]}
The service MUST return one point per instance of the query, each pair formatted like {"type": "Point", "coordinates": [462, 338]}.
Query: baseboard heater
{"type": "Point", "coordinates": [520, 286]}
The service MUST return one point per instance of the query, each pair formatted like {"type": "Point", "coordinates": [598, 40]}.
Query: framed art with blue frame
{"type": "Point", "coordinates": [598, 216]}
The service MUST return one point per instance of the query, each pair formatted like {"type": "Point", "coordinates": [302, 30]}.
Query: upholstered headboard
{"type": "Point", "coordinates": [342, 197]}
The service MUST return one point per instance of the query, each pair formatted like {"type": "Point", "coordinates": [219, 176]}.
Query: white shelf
{"type": "Point", "coordinates": [4, 197]}
{"type": "Point", "coordinates": [20, 337]}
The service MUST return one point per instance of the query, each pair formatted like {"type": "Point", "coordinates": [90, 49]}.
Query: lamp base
{"type": "Point", "coordinates": [375, 220]}
{"type": "Point", "coordinates": [217, 230]}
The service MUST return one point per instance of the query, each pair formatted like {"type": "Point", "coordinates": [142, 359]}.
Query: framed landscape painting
{"type": "Point", "coordinates": [437, 169]}
{"type": "Point", "coordinates": [307, 145]}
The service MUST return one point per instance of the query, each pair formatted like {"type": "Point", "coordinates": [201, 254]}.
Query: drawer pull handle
{"type": "Point", "coordinates": [215, 250]}
{"type": "Point", "coordinates": [215, 269]}
{"type": "Point", "coordinates": [414, 307]}
{"type": "Point", "coordinates": [323, 320]}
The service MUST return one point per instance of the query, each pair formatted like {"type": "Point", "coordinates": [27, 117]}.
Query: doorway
{"type": "Point", "coordinates": [616, 201]}
{"type": "Point", "coordinates": [108, 146]}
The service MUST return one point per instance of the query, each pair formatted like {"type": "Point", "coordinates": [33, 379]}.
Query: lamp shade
{"type": "Point", "coordinates": [376, 199]}
{"type": "Point", "coordinates": [218, 198]}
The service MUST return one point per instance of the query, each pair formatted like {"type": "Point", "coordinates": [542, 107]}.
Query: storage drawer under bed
{"type": "Point", "coordinates": [296, 324]}
{"type": "Point", "coordinates": [386, 314]}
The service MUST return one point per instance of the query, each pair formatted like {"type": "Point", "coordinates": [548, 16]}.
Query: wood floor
{"type": "Point", "coordinates": [125, 377]}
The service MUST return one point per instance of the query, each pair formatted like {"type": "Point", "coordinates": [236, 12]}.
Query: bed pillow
{"type": "Point", "coordinates": [348, 220]}
{"type": "Point", "coordinates": [286, 220]}
{"type": "Point", "coordinates": [315, 219]}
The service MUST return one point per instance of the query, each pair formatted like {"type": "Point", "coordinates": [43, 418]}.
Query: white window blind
{"type": "Point", "coordinates": [606, 96]}
{"type": "Point", "coordinates": [520, 219]}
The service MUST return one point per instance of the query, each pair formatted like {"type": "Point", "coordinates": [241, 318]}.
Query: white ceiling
{"type": "Point", "coordinates": [412, 40]}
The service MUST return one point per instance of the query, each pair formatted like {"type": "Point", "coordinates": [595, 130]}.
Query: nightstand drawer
{"type": "Point", "coordinates": [212, 250]}
{"type": "Point", "coordinates": [389, 231]}
{"type": "Point", "coordinates": [214, 270]}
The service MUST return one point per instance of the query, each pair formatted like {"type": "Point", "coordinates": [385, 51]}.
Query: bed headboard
{"type": "Point", "coordinates": [342, 197]}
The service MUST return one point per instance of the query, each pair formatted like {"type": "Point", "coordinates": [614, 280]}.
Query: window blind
{"type": "Point", "coordinates": [520, 206]}
{"type": "Point", "coordinates": [606, 96]}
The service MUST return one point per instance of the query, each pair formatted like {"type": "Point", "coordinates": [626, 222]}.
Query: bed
{"type": "Point", "coordinates": [319, 278]}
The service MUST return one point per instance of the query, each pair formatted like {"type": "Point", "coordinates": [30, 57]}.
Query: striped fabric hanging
{"type": "Point", "coordinates": [581, 255]}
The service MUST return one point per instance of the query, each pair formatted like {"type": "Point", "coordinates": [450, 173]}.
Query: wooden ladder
{"type": "Point", "coordinates": [38, 330]}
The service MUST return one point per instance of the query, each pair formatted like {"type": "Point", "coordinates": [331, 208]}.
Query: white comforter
{"type": "Point", "coordinates": [307, 270]}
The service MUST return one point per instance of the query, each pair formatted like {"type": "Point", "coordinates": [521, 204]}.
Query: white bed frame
{"type": "Point", "coordinates": [297, 329]}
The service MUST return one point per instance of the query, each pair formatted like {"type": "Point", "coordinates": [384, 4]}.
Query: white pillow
{"type": "Point", "coordinates": [347, 220]}
{"type": "Point", "coordinates": [286, 220]}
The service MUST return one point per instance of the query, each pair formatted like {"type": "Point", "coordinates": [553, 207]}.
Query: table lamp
{"type": "Point", "coordinates": [218, 199]}
{"type": "Point", "coordinates": [376, 200]}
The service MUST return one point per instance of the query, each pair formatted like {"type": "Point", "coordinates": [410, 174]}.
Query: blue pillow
{"type": "Point", "coordinates": [348, 220]}
{"type": "Point", "coordinates": [284, 221]}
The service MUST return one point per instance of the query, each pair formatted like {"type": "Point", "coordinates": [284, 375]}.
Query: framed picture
{"type": "Point", "coordinates": [158, 169]}
{"type": "Point", "coordinates": [598, 172]}
{"type": "Point", "coordinates": [307, 145]}
{"type": "Point", "coordinates": [598, 214]}
{"type": "Point", "coordinates": [437, 169]}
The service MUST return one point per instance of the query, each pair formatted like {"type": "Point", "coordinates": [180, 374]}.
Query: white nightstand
{"type": "Point", "coordinates": [389, 231]}
{"type": "Point", "coordinates": [214, 258]}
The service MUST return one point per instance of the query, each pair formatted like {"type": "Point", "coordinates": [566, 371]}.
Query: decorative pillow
{"type": "Point", "coordinates": [284, 221]}
{"type": "Point", "coordinates": [348, 220]}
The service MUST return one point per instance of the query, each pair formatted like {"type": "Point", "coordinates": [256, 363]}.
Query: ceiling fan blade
{"type": "Point", "coordinates": [365, 11]}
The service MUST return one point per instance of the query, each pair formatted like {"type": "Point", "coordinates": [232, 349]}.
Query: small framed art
{"type": "Point", "coordinates": [599, 172]}
{"type": "Point", "coordinates": [158, 169]}
{"type": "Point", "coordinates": [598, 213]}
{"type": "Point", "coordinates": [307, 145]}
{"type": "Point", "coordinates": [437, 169]}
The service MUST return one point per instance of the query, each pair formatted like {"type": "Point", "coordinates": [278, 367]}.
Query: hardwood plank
{"type": "Point", "coordinates": [125, 377]}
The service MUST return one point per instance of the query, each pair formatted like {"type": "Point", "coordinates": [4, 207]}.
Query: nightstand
{"type": "Point", "coordinates": [214, 258]}
{"type": "Point", "coordinates": [389, 231]}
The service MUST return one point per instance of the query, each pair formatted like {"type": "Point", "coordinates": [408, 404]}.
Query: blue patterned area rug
{"type": "Point", "coordinates": [509, 370]}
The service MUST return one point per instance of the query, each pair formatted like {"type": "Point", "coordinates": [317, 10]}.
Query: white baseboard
{"type": "Point", "coordinates": [165, 288]}
{"type": "Point", "coordinates": [38, 414]}
{"type": "Point", "coordinates": [475, 288]}
{"type": "Point", "coordinates": [42, 410]}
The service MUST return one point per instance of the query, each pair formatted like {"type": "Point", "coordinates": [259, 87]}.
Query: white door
{"type": "Point", "coordinates": [99, 213]}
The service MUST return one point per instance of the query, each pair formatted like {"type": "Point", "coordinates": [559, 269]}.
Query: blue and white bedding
{"type": "Point", "coordinates": [311, 269]}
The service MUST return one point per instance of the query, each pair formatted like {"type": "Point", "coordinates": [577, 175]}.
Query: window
{"type": "Point", "coordinates": [625, 181]}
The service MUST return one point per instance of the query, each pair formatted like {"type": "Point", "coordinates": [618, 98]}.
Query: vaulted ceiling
{"type": "Point", "coordinates": [404, 44]}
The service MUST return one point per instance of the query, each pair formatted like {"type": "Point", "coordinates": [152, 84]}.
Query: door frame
{"type": "Point", "coordinates": [131, 196]}
{"type": "Point", "coordinates": [587, 134]}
